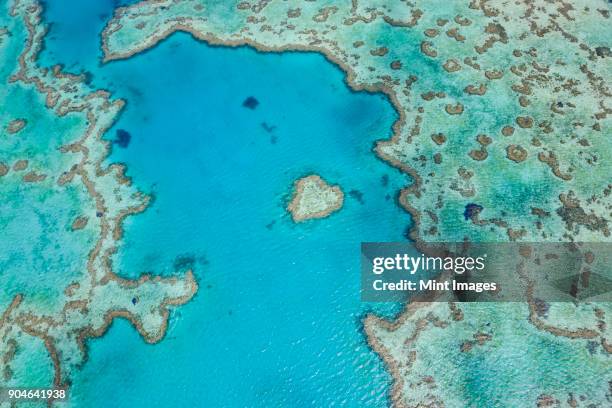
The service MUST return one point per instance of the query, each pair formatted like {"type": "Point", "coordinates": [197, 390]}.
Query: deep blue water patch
{"type": "Point", "coordinates": [471, 211]}
{"type": "Point", "coordinates": [357, 195]}
{"type": "Point", "coordinates": [122, 138]}
{"type": "Point", "coordinates": [250, 103]}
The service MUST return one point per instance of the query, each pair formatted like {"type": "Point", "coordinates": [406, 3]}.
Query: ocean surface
{"type": "Point", "coordinates": [277, 319]}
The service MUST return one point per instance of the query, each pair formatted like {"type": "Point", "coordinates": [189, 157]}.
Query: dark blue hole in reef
{"type": "Point", "coordinates": [250, 103]}
{"type": "Point", "coordinates": [122, 138]}
{"type": "Point", "coordinates": [471, 210]}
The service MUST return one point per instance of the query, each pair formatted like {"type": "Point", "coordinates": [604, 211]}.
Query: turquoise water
{"type": "Point", "coordinates": [277, 320]}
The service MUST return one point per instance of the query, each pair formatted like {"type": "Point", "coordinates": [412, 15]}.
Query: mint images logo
{"type": "Point", "coordinates": [421, 265]}
{"type": "Point", "coordinates": [487, 272]}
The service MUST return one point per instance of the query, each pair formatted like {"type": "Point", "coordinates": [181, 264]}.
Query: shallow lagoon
{"type": "Point", "coordinates": [277, 320]}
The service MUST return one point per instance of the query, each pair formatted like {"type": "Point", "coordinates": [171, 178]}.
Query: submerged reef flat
{"type": "Point", "coordinates": [489, 355]}
{"type": "Point", "coordinates": [314, 198]}
{"type": "Point", "coordinates": [504, 116]}
{"type": "Point", "coordinates": [61, 217]}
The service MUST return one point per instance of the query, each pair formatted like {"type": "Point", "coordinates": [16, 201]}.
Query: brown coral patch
{"type": "Point", "coordinates": [415, 15]}
{"type": "Point", "coordinates": [494, 74]}
{"type": "Point", "coordinates": [456, 109]}
{"type": "Point", "coordinates": [466, 346]}
{"type": "Point", "coordinates": [34, 177]}
{"type": "Point", "coordinates": [294, 13]}
{"type": "Point", "coordinates": [454, 33]}
{"type": "Point", "coordinates": [524, 121]}
{"type": "Point", "coordinates": [428, 96]}
{"type": "Point", "coordinates": [573, 214]}
{"type": "Point", "coordinates": [20, 165]}
{"type": "Point", "coordinates": [507, 131]}
{"type": "Point", "coordinates": [484, 140]}
{"type": "Point", "coordinates": [479, 155]}
{"type": "Point", "coordinates": [16, 126]}
{"type": "Point", "coordinates": [431, 32]}
{"type": "Point", "coordinates": [451, 65]}
{"type": "Point", "coordinates": [438, 138]}
{"type": "Point", "coordinates": [379, 52]}
{"type": "Point", "coordinates": [516, 153]}
{"type": "Point", "coordinates": [472, 90]}
{"type": "Point", "coordinates": [79, 223]}
{"type": "Point", "coordinates": [551, 160]}
{"type": "Point", "coordinates": [462, 21]}
{"type": "Point", "coordinates": [324, 14]}
{"type": "Point", "coordinates": [427, 49]}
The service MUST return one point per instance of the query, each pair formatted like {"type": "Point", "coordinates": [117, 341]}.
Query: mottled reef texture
{"type": "Point", "coordinates": [61, 217]}
{"type": "Point", "coordinates": [504, 126]}
{"type": "Point", "coordinates": [314, 198]}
